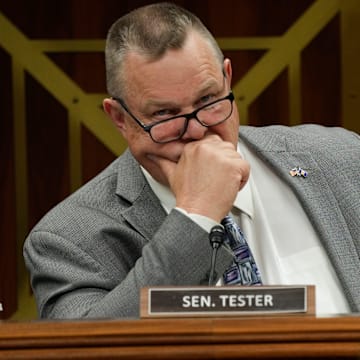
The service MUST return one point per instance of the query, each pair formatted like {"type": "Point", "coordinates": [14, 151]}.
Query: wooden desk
{"type": "Point", "coordinates": [204, 338]}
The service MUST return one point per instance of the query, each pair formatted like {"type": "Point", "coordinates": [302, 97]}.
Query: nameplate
{"type": "Point", "coordinates": [227, 301]}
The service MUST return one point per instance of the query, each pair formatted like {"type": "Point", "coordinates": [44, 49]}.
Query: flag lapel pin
{"type": "Point", "coordinates": [298, 171]}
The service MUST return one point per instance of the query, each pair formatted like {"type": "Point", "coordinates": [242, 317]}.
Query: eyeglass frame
{"type": "Point", "coordinates": [188, 117]}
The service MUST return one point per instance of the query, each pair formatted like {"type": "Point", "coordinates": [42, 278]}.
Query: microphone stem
{"type": "Point", "coordinates": [213, 262]}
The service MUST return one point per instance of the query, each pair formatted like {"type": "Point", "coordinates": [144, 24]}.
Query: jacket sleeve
{"type": "Point", "coordinates": [100, 275]}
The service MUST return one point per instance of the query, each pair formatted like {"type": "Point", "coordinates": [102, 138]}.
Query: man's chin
{"type": "Point", "coordinates": [153, 169]}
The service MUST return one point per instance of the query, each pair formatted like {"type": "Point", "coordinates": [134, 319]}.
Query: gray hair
{"type": "Point", "coordinates": [150, 31]}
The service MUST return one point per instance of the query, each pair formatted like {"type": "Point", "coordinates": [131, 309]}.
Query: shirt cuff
{"type": "Point", "coordinates": [203, 221]}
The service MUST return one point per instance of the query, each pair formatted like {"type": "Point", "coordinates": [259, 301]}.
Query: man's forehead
{"type": "Point", "coordinates": [165, 76]}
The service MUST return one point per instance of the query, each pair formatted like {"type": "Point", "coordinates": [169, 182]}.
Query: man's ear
{"type": "Point", "coordinates": [116, 115]}
{"type": "Point", "coordinates": [228, 70]}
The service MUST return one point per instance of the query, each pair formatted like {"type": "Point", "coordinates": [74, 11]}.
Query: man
{"type": "Point", "coordinates": [145, 220]}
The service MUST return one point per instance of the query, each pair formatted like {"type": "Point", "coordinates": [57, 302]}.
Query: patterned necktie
{"type": "Point", "coordinates": [243, 270]}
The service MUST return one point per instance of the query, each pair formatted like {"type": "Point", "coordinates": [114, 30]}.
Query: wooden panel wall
{"type": "Point", "coordinates": [8, 259]}
{"type": "Point", "coordinates": [46, 153]}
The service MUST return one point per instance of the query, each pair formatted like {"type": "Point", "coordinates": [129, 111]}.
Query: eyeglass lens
{"type": "Point", "coordinates": [210, 115]}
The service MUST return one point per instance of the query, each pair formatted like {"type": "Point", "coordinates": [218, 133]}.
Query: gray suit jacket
{"type": "Point", "coordinates": [92, 253]}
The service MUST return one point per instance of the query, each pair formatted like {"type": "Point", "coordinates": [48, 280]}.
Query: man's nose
{"type": "Point", "coordinates": [194, 131]}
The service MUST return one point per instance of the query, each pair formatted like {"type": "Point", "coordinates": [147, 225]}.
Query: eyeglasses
{"type": "Point", "coordinates": [174, 128]}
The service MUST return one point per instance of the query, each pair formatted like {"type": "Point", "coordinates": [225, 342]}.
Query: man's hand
{"type": "Point", "coordinates": [207, 177]}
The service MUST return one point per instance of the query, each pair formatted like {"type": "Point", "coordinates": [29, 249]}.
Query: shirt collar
{"type": "Point", "coordinates": [166, 197]}
{"type": "Point", "coordinates": [244, 199]}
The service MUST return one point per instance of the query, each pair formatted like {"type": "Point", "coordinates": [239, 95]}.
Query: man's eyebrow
{"type": "Point", "coordinates": [209, 85]}
{"type": "Point", "coordinates": [160, 103]}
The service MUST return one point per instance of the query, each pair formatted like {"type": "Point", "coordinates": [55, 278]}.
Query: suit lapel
{"type": "Point", "coordinates": [145, 213]}
{"type": "Point", "coordinates": [317, 198]}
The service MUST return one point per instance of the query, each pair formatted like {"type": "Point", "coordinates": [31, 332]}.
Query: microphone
{"type": "Point", "coordinates": [216, 238]}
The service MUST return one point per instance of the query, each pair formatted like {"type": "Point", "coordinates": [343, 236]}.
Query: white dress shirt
{"type": "Point", "coordinates": [284, 244]}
